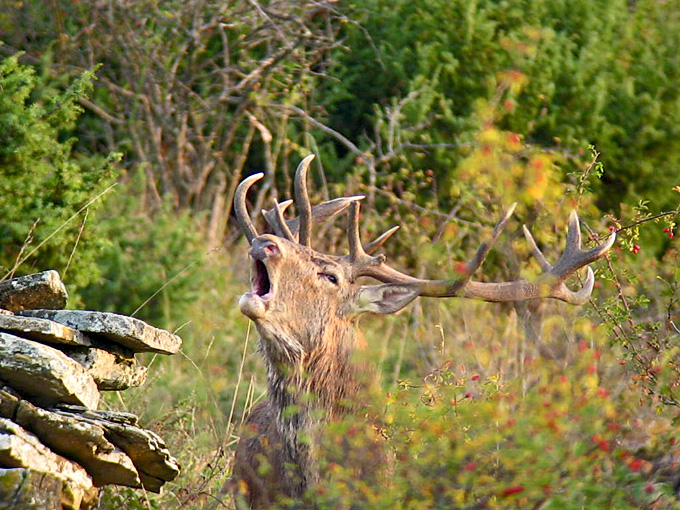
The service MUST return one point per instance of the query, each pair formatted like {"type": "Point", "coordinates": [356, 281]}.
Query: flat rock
{"type": "Point", "coordinates": [129, 332]}
{"type": "Point", "coordinates": [44, 373]}
{"type": "Point", "coordinates": [43, 330]}
{"type": "Point", "coordinates": [115, 416]}
{"type": "Point", "coordinates": [20, 449]}
{"type": "Point", "coordinates": [111, 371]}
{"type": "Point", "coordinates": [147, 450]}
{"type": "Point", "coordinates": [40, 290]}
{"type": "Point", "coordinates": [9, 402]}
{"type": "Point", "coordinates": [26, 489]}
{"type": "Point", "coordinates": [80, 441]}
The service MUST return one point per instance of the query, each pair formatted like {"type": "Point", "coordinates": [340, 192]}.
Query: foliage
{"type": "Point", "coordinates": [442, 113]}
{"type": "Point", "coordinates": [575, 73]}
{"type": "Point", "coordinates": [565, 417]}
{"type": "Point", "coordinates": [48, 192]}
{"type": "Point", "coordinates": [641, 316]}
{"type": "Point", "coordinates": [193, 92]}
{"type": "Point", "coordinates": [151, 266]}
{"type": "Point", "coordinates": [460, 440]}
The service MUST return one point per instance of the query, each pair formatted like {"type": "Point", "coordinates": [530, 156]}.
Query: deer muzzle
{"type": "Point", "coordinates": [254, 304]}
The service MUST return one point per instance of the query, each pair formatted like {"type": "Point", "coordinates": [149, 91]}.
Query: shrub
{"type": "Point", "coordinates": [575, 74]}
{"type": "Point", "coordinates": [49, 194]}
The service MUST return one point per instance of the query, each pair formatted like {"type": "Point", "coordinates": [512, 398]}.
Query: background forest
{"type": "Point", "coordinates": [125, 126]}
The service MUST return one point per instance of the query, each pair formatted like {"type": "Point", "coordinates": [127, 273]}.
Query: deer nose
{"type": "Point", "coordinates": [263, 248]}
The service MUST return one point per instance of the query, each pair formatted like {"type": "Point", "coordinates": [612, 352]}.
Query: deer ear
{"type": "Point", "coordinates": [389, 298]}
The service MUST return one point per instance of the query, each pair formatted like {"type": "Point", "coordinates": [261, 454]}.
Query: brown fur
{"type": "Point", "coordinates": [307, 337]}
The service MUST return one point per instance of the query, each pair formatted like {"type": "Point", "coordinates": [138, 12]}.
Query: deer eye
{"type": "Point", "coordinates": [330, 277]}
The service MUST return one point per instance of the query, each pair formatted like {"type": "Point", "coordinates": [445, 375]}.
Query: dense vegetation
{"type": "Point", "coordinates": [126, 125]}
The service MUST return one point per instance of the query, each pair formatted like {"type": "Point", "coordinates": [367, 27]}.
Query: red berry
{"type": "Point", "coordinates": [513, 490]}
{"type": "Point", "coordinates": [671, 235]}
{"type": "Point", "coordinates": [636, 465]}
{"type": "Point", "coordinates": [475, 377]}
{"type": "Point", "coordinates": [666, 230]}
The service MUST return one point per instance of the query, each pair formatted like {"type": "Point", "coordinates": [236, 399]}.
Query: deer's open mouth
{"type": "Point", "coordinates": [261, 284]}
{"type": "Point", "coordinates": [254, 304]}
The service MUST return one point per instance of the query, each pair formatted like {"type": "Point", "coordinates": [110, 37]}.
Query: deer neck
{"type": "Point", "coordinates": [308, 389]}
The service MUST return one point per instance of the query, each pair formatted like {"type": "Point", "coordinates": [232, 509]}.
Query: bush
{"type": "Point", "coordinates": [49, 194]}
{"type": "Point", "coordinates": [448, 111]}
{"type": "Point", "coordinates": [152, 266]}
{"type": "Point", "coordinates": [574, 74]}
{"type": "Point", "coordinates": [555, 438]}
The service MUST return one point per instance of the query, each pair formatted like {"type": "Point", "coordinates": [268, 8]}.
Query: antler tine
{"type": "Point", "coordinates": [356, 250]}
{"type": "Point", "coordinates": [361, 260]}
{"type": "Point", "coordinates": [486, 246]}
{"type": "Point", "coordinates": [536, 251]}
{"type": "Point", "coordinates": [574, 257]}
{"type": "Point", "coordinates": [571, 261]}
{"type": "Point", "coordinates": [325, 211]}
{"type": "Point", "coordinates": [578, 297]}
{"type": "Point", "coordinates": [573, 233]}
{"type": "Point", "coordinates": [270, 215]}
{"type": "Point", "coordinates": [275, 219]}
{"type": "Point", "coordinates": [240, 209]}
{"type": "Point", "coordinates": [374, 245]}
{"type": "Point", "coordinates": [302, 201]}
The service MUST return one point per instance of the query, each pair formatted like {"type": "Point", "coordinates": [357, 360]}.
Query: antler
{"type": "Point", "coordinates": [309, 216]}
{"type": "Point", "coordinates": [320, 213]}
{"type": "Point", "coordinates": [550, 284]}
{"type": "Point", "coordinates": [362, 262]}
{"type": "Point", "coordinates": [240, 209]}
{"type": "Point", "coordinates": [302, 201]}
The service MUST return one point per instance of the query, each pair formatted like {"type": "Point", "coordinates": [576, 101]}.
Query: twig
{"type": "Point", "coordinates": [238, 381]}
{"type": "Point", "coordinates": [27, 241]}
{"type": "Point", "coordinates": [96, 109]}
{"type": "Point", "coordinates": [650, 218]}
{"type": "Point", "coordinates": [75, 245]}
{"type": "Point", "coordinates": [425, 210]}
{"type": "Point", "coordinates": [323, 127]}
{"type": "Point", "coordinates": [83, 208]}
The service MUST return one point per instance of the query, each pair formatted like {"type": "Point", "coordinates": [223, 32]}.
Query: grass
{"type": "Point", "coordinates": [452, 375]}
{"type": "Point", "coordinates": [456, 364]}
{"type": "Point", "coordinates": [198, 399]}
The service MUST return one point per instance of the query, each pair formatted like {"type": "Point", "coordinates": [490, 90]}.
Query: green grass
{"type": "Point", "coordinates": [462, 367]}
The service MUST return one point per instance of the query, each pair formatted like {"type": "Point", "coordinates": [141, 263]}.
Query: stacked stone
{"type": "Point", "coordinates": [56, 448]}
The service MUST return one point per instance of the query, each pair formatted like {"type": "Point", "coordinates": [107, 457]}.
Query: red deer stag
{"type": "Point", "coordinates": [305, 305]}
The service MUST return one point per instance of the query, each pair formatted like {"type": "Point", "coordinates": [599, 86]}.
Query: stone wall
{"type": "Point", "coordinates": [56, 447]}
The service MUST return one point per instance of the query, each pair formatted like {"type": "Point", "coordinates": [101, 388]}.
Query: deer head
{"type": "Point", "coordinates": [298, 292]}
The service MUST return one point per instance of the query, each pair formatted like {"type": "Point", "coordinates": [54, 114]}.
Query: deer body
{"type": "Point", "coordinates": [305, 306]}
